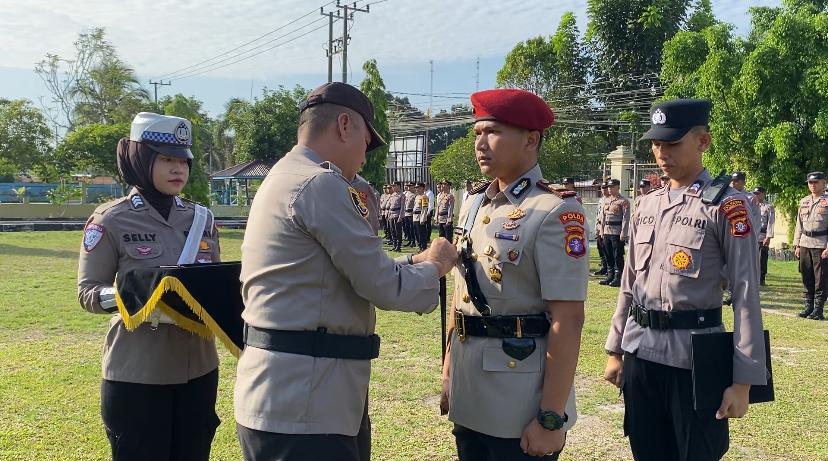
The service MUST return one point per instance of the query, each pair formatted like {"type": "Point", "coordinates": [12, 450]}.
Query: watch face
{"type": "Point", "coordinates": [551, 420]}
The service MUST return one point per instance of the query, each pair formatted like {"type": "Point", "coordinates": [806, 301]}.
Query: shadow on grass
{"type": "Point", "coordinates": [14, 250]}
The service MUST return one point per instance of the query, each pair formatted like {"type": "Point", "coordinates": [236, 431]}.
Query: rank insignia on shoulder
{"type": "Point", "coordinates": [479, 187]}
{"type": "Point", "coordinates": [556, 189]}
{"type": "Point", "coordinates": [92, 235]}
{"type": "Point", "coordinates": [695, 188]}
{"type": "Point", "coordinates": [516, 214]}
{"type": "Point", "coordinates": [137, 202]}
{"type": "Point", "coordinates": [359, 204]}
{"type": "Point", "coordinates": [178, 202]}
{"type": "Point", "coordinates": [518, 189]}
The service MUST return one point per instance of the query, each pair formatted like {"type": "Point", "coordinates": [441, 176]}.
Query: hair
{"type": "Point", "coordinates": [540, 140]}
{"type": "Point", "coordinates": [316, 119]}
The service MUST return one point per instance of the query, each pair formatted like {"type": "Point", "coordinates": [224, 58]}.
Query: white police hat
{"type": "Point", "coordinates": [163, 133]}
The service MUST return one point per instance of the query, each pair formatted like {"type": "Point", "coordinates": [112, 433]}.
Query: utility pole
{"type": "Point", "coordinates": [334, 46]}
{"type": "Point", "coordinates": [155, 84]}
{"type": "Point", "coordinates": [428, 114]}
{"type": "Point", "coordinates": [345, 17]}
{"type": "Point", "coordinates": [477, 75]}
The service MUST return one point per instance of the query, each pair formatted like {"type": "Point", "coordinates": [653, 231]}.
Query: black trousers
{"type": "Point", "coordinates": [425, 236]}
{"type": "Point", "coordinates": [408, 229]}
{"type": "Point", "coordinates": [429, 221]}
{"type": "Point", "coordinates": [384, 225]}
{"type": "Point", "coordinates": [474, 446]}
{"type": "Point", "coordinates": [614, 252]}
{"type": "Point", "coordinates": [814, 271]}
{"type": "Point", "coordinates": [445, 231]}
{"type": "Point", "coordinates": [270, 446]}
{"type": "Point", "coordinates": [396, 231]}
{"type": "Point", "coordinates": [659, 418]}
{"type": "Point", "coordinates": [599, 242]}
{"type": "Point", "coordinates": [160, 422]}
{"type": "Point", "coordinates": [763, 261]}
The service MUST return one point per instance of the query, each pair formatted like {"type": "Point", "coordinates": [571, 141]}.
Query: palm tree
{"type": "Point", "coordinates": [109, 94]}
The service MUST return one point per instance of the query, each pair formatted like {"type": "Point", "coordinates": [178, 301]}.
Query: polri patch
{"type": "Point", "coordinates": [92, 236]}
{"type": "Point", "coordinates": [518, 189]}
{"type": "Point", "coordinates": [572, 216]}
{"type": "Point", "coordinates": [575, 245]}
{"type": "Point", "coordinates": [740, 227]}
{"type": "Point", "coordinates": [359, 204]}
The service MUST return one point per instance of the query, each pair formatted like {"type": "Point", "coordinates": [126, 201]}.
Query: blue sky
{"type": "Point", "coordinates": [161, 36]}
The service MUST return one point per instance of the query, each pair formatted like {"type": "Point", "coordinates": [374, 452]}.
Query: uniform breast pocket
{"type": "Point", "coordinates": [145, 250]}
{"type": "Point", "coordinates": [684, 252]}
{"type": "Point", "coordinates": [495, 360]}
{"type": "Point", "coordinates": [643, 246]}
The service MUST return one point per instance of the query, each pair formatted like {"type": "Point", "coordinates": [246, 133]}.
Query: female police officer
{"type": "Point", "coordinates": [159, 381]}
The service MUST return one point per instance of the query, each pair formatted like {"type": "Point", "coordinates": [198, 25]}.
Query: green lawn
{"type": "Point", "coordinates": [50, 351]}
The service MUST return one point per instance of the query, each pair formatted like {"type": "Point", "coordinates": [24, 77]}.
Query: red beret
{"type": "Point", "coordinates": [520, 108]}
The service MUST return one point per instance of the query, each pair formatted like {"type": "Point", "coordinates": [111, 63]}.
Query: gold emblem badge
{"type": "Point", "coordinates": [495, 274]}
{"type": "Point", "coordinates": [517, 214]}
{"type": "Point", "coordinates": [489, 250]}
{"type": "Point", "coordinates": [486, 220]}
{"type": "Point", "coordinates": [511, 225]}
{"type": "Point", "coordinates": [681, 260]}
{"type": "Point", "coordinates": [204, 246]}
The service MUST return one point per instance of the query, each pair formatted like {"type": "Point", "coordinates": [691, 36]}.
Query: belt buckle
{"type": "Point", "coordinates": [643, 316]}
{"type": "Point", "coordinates": [518, 327]}
{"type": "Point", "coordinates": [460, 325]}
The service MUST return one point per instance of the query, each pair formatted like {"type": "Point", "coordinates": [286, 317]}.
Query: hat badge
{"type": "Point", "coordinates": [659, 117]}
{"type": "Point", "coordinates": [182, 133]}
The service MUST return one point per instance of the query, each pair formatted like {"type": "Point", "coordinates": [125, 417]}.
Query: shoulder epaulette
{"type": "Point", "coordinates": [714, 192]}
{"type": "Point", "coordinates": [557, 189]}
{"type": "Point", "coordinates": [479, 187]}
{"type": "Point", "coordinates": [103, 208]}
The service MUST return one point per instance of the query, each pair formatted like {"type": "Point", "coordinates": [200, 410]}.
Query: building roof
{"type": "Point", "coordinates": [255, 169]}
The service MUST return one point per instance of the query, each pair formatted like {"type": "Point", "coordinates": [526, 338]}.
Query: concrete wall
{"type": "Point", "coordinates": [45, 210]}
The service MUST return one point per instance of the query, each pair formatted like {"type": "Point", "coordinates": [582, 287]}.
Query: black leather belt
{"type": "Point", "coordinates": [676, 320]}
{"type": "Point", "coordinates": [444, 213]}
{"type": "Point", "coordinates": [409, 210]}
{"type": "Point", "coordinates": [317, 343]}
{"type": "Point", "coordinates": [614, 223]}
{"type": "Point", "coordinates": [763, 230]}
{"type": "Point", "coordinates": [819, 233]}
{"type": "Point", "coordinates": [501, 326]}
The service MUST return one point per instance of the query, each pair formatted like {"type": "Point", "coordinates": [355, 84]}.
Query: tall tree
{"type": "Point", "coordinates": [24, 137]}
{"type": "Point", "coordinates": [90, 149]}
{"type": "Point", "coordinates": [198, 186]}
{"type": "Point", "coordinates": [374, 88]}
{"type": "Point", "coordinates": [108, 93]}
{"type": "Point", "coordinates": [457, 163]}
{"type": "Point", "coordinates": [267, 128]}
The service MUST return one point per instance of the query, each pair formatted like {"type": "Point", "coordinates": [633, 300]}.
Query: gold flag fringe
{"type": "Point", "coordinates": [166, 285]}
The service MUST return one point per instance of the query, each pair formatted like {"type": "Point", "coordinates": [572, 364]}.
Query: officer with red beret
{"type": "Point", "coordinates": [518, 304]}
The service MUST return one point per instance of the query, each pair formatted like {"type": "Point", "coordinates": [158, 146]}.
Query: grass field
{"type": "Point", "coordinates": [50, 353]}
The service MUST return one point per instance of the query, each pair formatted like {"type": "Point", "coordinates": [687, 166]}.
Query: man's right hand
{"type": "Point", "coordinates": [615, 366]}
{"type": "Point", "coordinates": [443, 254]}
{"type": "Point", "coordinates": [796, 252]}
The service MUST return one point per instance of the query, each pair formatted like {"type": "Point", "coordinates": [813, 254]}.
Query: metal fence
{"type": "Point", "coordinates": [37, 192]}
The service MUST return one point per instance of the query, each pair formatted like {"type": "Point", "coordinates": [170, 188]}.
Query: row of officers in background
{"type": "Point", "coordinates": [407, 215]}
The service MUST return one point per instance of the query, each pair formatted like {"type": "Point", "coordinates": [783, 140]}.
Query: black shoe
{"type": "Point", "coordinates": [601, 271]}
{"type": "Point", "coordinates": [762, 282]}
{"type": "Point", "coordinates": [616, 282]}
{"type": "Point", "coordinates": [609, 279]}
{"type": "Point", "coordinates": [816, 315]}
{"type": "Point", "coordinates": [809, 309]}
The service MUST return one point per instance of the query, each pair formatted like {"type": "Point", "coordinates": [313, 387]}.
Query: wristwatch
{"type": "Point", "coordinates": [551, 420]}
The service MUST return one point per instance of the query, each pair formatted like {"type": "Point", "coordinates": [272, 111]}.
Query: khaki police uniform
{"type": "Point", "coordinates": [383, 211]}
{"type": "Point", "coordinates": [133, 235]}
{"type": "Point", "coordinates": [408, 220]}
{"type": "Point", "coordinates": [420, 216]}
{"type": "Point", "coordinates": [677, 250]}
{"type": "Point", "coordinates": [395, 206]}
{"type": "Point", "coordinates": [369, 196]}
{"type": "Point", "coordinates": [767, 219]}
{"type": "Point", "coordinates": [615, 222]}
{"type": "Point", "coordinates": [310, 261]}
{"type": "Point", "coordinates": [530, 249]}
{"type": "Point", "coordinates": [599, 238]}
{"type": "Point", "coordinates": [811, 236]}
{"type": "Point", "coordinates": [445, 214]}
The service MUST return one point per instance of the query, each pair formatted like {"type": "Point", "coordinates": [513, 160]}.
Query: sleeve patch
{"type": "Point", "coordinates": [92, 236]}
{"type": "Point", "coordinates": [575, 243]}
{"type": "Point", "coordinates": [738, 217]}
{"type": "Point", "coordinates": [731, 205]}
{"type": "Point", "coordinates": [359, 204]}
{"type": "Point", "coordinates": [572, 216]}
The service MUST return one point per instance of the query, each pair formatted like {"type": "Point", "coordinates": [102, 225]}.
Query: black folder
{"type": "Point", "coordinates": [712, 368]}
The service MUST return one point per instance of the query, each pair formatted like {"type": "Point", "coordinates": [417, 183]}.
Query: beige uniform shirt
{"type": "Point", "coordinates": [419, 210]}
{"type": "Point", "coordinates": [409, 204]}
{"type": "Point", "coordinates": [812, 216]}
{"type": "Point", "coordinates": [126, 234]}
{"type": "Point", "coordinates": [396, 202]}
{"type": "Point", "coordinates": [383, 204]}
{"type": "Point", "coordinates": [676, 254]}
{"type": "Point", "coordinates": [548, 261]}
{"type": "Point", "coordinates": [616, 216]}
{"type": "Point", "coordinates": [767, 219]}
{"type": "Point", "coordinates": [599, 217]}
{"type": "Point", "coordinates": [445, 208]}
{"type": "Point", "coordinates": [310, 260]}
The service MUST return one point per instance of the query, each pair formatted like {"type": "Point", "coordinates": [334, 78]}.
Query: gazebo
{"type": "Point", "coordinates": [238, 177]}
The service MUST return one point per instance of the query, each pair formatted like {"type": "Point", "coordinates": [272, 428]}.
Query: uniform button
{"type": "Point", "coordinates": [511, 364]}
{"type": "Point", "coordinates": [486, 220]}
{"type": "Point", "coordinates": [473, 256]}
{"type": "Point", "coordinates": [466, 298]}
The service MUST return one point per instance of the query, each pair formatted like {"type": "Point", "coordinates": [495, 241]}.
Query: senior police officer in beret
{"type": "Point", "coordinates": [767, 219]}
{"type": "Point", "coordinates": [519, 293]}
{"type": "Point", "coordinates": [681, 236]}
{"type": "Point", "coordinates": [616, 220]}
{"type": "Point", "coordinates": [311, 270]}
{"type": "Point", "coordinates": [811, 246]}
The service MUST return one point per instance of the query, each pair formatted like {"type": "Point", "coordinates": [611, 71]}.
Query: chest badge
{"type": "Point", "coordinates": [204, 246]}
{"type": "Point", "coordinates": [513, 254]}
{"type": "Point", "coordinates": [517, 214]}
{"type": "Point", "coordinates": [489, 251]}
{"type": "Point", "coordinates": [495, 274]}
{"type": "Point", "coordinates": [681, 260]}
{"type": "Point", "coordinates": [507, 236]}
{"type": "Point", "coordinates": [143, 250]}
{"type": "Point", "coordinates": [486, 220]}
{"type": "Point", "coordinates": [511, 225]}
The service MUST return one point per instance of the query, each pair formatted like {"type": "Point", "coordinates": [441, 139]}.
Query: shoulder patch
{"type": "Point", "coordinates": [556, 189]}
{"type": "Point", "coordinates": [479, 187]}
{"type": "Point", "coordinates": [359, 204]}
{"type": "Point", "coordinates": [92, 236]}
{"type": "Point", "coordinates": [737, 215]}
{"type": "Point", "coordinates": [572, 216]}
{"type": "Point", "coordinates": [574, 241]}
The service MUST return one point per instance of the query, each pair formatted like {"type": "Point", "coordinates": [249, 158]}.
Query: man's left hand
{"type": "Point", "coordinates": [734, 402]}
{"type": "Point", "coordinates": [537, 441]}
{"type": "Point", "coordinates": [766, 242]}
{"type": "Point", "coordinates": [824, 254]}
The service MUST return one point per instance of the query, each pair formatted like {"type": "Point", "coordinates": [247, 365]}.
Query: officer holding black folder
{"type": "Point", "coordinates": [681, 235]}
